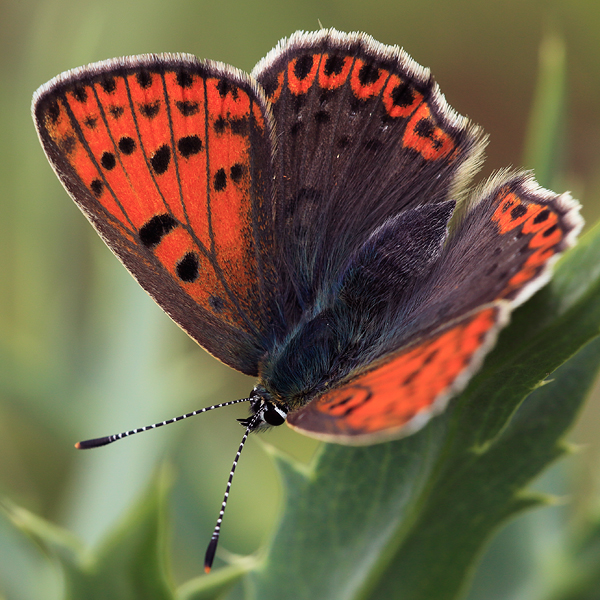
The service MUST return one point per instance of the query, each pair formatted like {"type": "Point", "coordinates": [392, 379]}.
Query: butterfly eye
{"type": "Point", "coordinates": [274, 415]}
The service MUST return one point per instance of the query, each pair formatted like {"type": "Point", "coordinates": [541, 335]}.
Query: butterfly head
{"type": "Point", "coordinates": [265, 411]}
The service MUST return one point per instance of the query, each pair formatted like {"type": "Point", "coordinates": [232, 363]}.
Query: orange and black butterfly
{"type": "Point", "coordinates": [295, 223]}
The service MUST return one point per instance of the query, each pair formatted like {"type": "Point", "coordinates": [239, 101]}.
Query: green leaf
{"type": "Point", "coordinates": [408, 519]}
{"type": "Point", "coordinates": [215, 585]}
{"type": "Point", "coordinates": [130, 565]}
{"type": "Point", "coordinates": [546, 123]}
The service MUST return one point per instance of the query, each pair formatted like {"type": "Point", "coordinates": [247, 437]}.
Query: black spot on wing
{"type": "Point", "coordinates": [152, 232]}
{"type": "Point", "coordinates": [160, 159]}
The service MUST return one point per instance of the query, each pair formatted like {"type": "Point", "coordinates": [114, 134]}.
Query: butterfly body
{"type": "Point", "coordinates": [299, 222]}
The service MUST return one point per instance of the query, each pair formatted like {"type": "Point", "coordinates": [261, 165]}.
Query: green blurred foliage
{"type": "Point", "coordinates": [84, 352]}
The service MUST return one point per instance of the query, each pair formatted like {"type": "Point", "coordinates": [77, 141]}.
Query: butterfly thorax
{"type": "Point", "coordinates": [364, 313]}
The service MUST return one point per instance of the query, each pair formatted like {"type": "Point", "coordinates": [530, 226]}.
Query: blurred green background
{"type": "Point", "coordinates": [84, 352]}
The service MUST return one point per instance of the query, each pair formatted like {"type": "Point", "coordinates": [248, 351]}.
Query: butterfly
{"type": "Point", "coordinates": [295, 222]}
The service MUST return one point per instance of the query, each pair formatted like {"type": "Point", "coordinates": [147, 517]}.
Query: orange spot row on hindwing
{"type": "Point", "coordinates": [367, 80]}
{"type": "Point", "coordinates": [426, 137]}
{"type": "Point", "coordinates": [399, 98]}
{"type": "Point", "coordinates": [274, 95]}
{"type": "Point", "coordinates": [334, 71]}
{"type": "Point", "coordinates": [301, 73]}
{"type": "Point", "coordinates": [537, 220]}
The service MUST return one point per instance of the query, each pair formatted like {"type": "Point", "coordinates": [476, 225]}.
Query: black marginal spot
{"type": "Point", "coordinates": [150, 110]}
{"type": "Point", "coordinates": [91, 122]}
{"type": "Point", "coordinates": [373, 145]}
{"type": "Point", "coordinates": [108, 84]}
{"type": "Point", "coordinates": [108, 161]}
{"type": "Point", "coordinates": [542, 216]}
{"type": "Point", "coordinates": [333, 65]}
{"type": "Point", "coordinates": [322, 116]}
{"type": "Point", "coordinates": [220, 180]}
{"type": "Point", "coordinates": [343, 141]}
{"type": "Point", "coordinates": [189, 145]}
{"type": "Point", "coordinates": [160, 159]}
{"type": "Point", "coordinates": [152, 232]}
{"type": "Point", "coordinates": [368, 74]}
{"type": "Point", "coordinates": [425, 128]}
{"type": "Point", "coordinates": [116, 111]}
{"type": "Point", "coordinates": [53, 111]}
{"type": "Point", "coordinates": [296, 128]}
{"type": "Point", "coordinates": [270, 85]}
{"type": "Point", "coordinates": [184, 78]}
{"type": "Point", "coordinates": [237, 172]}
{"type": "Point", "coordinates": [223, 87]}
{"type": "Point", "coordinates": [127, 145]}
{"type": "Point", "coordinates": [239, 126]}
{"type": "Point", "coordinates": [144, 78]}
{"type": "Point", "coordinates": [403, 95]}
{"type": "Point", "coordinates": [303, 66]}
{"type": "Point", "coordinates": [550, 230]}
{"type": "Point", "coordinates": [67, 144]}
{"type": "Point", "coordinates": [97, 187]}
{"type": "Point", "coordinates": [341, 402]}
{"type": "Point", "coordinates": [429, 358]}
{"type": "Point", "coordinates": [187, 108]}
{"type": "Point", "coordinates": [219, 125]}
{"type": "Point", "coordinates": [216, 303]}
{"type": "Point", "coordinates": [518, 211]}
{"type": "Point", "coordinates": [187, 268]}
{"type": "Point", "coordinates": [491, 269]}
{"type": "Point", "coordinates": [80, 93]}
{"type": "Point", "coordinates": [408, 380]}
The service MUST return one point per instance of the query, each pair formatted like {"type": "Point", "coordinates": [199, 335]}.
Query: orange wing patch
{"type": "Point", "coordinates": [424, 135]}
{"type": "Point", "coordinates": [404, 391]}
{"type": "Point", "coordinates": [165, 155]}
{"type": "Point", "coordinates": [522, 216]}
{"type": "Point", "coordinates": [366, 79]}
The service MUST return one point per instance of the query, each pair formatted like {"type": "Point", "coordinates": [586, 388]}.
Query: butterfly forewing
{"type": "Point", "coordinates": [170, 159]}
{"type": "Point", "coordinates": [398, 395]}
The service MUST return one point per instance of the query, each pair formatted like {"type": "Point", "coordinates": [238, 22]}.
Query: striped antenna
{"type": "Point", "coordinates": [103, 441]}
{"type": "Point", "coordinates": [214, 540]}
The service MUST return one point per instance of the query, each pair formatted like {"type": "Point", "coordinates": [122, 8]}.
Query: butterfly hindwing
{"type": "Point", "coordinates": [496, 258]}
{"type": "Point", "coordinates": [367, 135]}
{"type": "Point", "coordinates": [169, 157]}
{"type": "Point", "coordinates": [502, 249]}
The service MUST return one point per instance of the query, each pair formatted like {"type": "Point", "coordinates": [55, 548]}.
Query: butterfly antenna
{"type": "Point", "coordinates": [109, 439]}
{"type": "Point", "coordinates": [214, 540]}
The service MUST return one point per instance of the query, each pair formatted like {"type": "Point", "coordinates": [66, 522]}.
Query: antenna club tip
{"type": "Point", "coordinates": [210, 554]}
{"type": "Point", "coordinates": [78, 445]}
